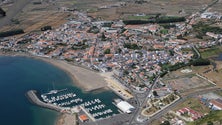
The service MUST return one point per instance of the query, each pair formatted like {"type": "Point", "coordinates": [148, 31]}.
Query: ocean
{"type": "Point", "coordinates": [20, 74]}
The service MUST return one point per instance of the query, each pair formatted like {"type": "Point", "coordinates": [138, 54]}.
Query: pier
{"type": "Point", "coordinates": [87, 113]}
{"type": "Point", "coordinates": [31, 94]}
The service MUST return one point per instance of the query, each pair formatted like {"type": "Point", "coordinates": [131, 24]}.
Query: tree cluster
{"type": "Point", "coordinates": [133, 46]}
{"type": "Point", "coordinates": [46, 28]}
{"type": "Point", "coordinates": [164, 19]}
{"type": "Point", "coordinates": [11, 33]}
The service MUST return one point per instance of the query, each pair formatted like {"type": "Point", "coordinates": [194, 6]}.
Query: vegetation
{"type": "Point", "coordinates": [2, 12]}
{"type": "Point", "coordinates": [211, 52]}
{"type": "Point", "coordinates": [215, 116]}
{"type": "Point", "coordinates": [11, 33]}
{"type": "Point", "coordinates": [107, 24]}
{"type": "Point", "coordinates": [219, 92]}
{"type": "Point", "coordinates": [171, 52]}
{"type": "Point", "coordinates": [69, 60]}
{"type": "Point", "coordinates": [164, 31]}
{"type": "Point", "coordinates": [170, 19]}
{"type": "Point", "coordinates": [93, 29]}
{"type": "Point", "coordinates": [162, 19]}
{"type": "Point", "coordinates": [107, 51]}
{"type": "Point", "coordinates": [80, 45]}
{"type": "Point", "coordinates": [145, 17]}
{"type": "Point", "coordinates": [210, 123]}
{"type": "Point", "coordinates": [15, 21]}
{"type": "Point", "coordinates": [195, 104]}
{"type": "Point", "coordinates": [165, 123]}
{"type": "Point", "coordinates": [195, 62]}
{"type": "Point", "coordinates": [200, 62]}
{"type": "Point", "coordinates": [46, 28]}
{"type": "Point", "coordinates": [155, 93]}
{"type": "Point", "coordinates": [168, 26]}
{"type": "Point", "coordinates": [24, 41]}
{"type": "Point", "coordinates": [103, 37]}
{"type": "Point", "coordinates": [133, 46]}
{"type": "Point", "coordinates": [47, 50]}
{"type": "Point", "coordinates": [201, 29]}
{"type": "Point", "coordinates": [36, 3]}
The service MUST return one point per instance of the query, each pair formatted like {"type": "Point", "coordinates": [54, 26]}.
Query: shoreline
{"type": "Point", "coordinates": [83, 78]}
{"type": "Point", "coordinates": [66, 119]}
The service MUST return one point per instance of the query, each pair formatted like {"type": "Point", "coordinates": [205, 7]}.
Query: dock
{"type": "Point", "coordinates": [31, 94]}
{"type": "Point", "coordinates": [87, 113]}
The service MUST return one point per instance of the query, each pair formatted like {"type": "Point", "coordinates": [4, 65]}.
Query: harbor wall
{"type": "Point", "coordinates": [31, 94]}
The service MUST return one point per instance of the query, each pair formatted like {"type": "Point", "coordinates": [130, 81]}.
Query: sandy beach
{"type": "Point", "coordinates": [84, 78]}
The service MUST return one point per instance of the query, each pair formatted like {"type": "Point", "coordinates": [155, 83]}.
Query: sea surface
{"type": "Point", "coordinates": [20, 74]}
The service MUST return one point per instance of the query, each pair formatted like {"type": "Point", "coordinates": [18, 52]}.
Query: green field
{"type": "Point", "coordinates": [193, 103]}
{"type": "Point", "coordinates": [219, 93]}
{"type": "Point", "coordinates": [211, 52]}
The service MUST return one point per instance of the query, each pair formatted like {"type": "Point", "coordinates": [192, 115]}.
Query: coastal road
{"type": "Point", "coordinates": [12, 11]}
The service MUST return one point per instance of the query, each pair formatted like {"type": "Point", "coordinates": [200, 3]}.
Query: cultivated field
{"type": "Point", "coordinates": [33, 16]}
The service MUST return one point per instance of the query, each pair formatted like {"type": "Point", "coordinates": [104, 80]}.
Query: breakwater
{"type": "Point", "coordinates": [31, 94]}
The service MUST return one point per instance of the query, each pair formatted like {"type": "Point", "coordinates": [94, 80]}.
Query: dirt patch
{"type": "Point", "coordinates": [210, 73]}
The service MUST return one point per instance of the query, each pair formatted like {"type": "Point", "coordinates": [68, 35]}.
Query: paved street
{"type": "Point", "coordinates": [120, 119]}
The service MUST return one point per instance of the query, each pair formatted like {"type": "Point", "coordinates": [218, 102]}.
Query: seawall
{"type": "Point", "coordinates": [31, 94]}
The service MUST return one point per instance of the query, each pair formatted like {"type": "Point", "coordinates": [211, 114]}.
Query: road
{"type": "Point", "coordinates": [138, 110]}
{"type": "Point", "coordinates": [195, 49]}
{"type": "Point", "coordinates": [208, 6]}
{"type": "Point", "coordinates": [164, 111]}
{"type": "Point", "coordinates": [16, 8]}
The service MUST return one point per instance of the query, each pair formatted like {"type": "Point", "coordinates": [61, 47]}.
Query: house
{"type": "Point", "coordinates": [83, 118]}
{"type": "Point", "coordinates": [216, 104]}
{"type": "Point", "coordinates": [212, 35]}
{"type": "Point", "coordinates": [194, 115]}
{"type": "Point", "coordinates": [182, 111]}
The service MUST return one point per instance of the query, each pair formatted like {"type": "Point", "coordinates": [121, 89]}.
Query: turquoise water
{"type": "Point", "coordinates": [20, 74]}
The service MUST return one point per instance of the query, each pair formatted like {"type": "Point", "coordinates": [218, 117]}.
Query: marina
{"type": "Point", "coordinates": [65, 100]}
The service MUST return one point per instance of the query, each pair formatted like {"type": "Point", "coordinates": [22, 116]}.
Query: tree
{"type": "Point", "coordinates": [46, 28]}
{"type": "Point", "coordinates": [155, 93]}
{"type": "Point", "coordinates": [210, 123]}
{"type": "Point", "coordinates": [165, 123]}
{"type": "Point", "coordinates": [171, 52]}
{"type": "Point", "coordinates": [107, 51]}
{"type": "Point", "coordinates": [103, 37]}
{"type": "Point", "coordinates": [11, 32]}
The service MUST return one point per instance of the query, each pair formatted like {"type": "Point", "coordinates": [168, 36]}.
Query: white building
{"type": "Point", "coordinates": [125, 107]}
{"type": "Point", "coordinates": [216, 104]}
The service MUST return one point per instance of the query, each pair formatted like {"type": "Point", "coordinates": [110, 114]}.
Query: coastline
{"type": "Point", "coordinates": [83, 78]}
{"type": "Point", "coordinates": [66, 119]}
